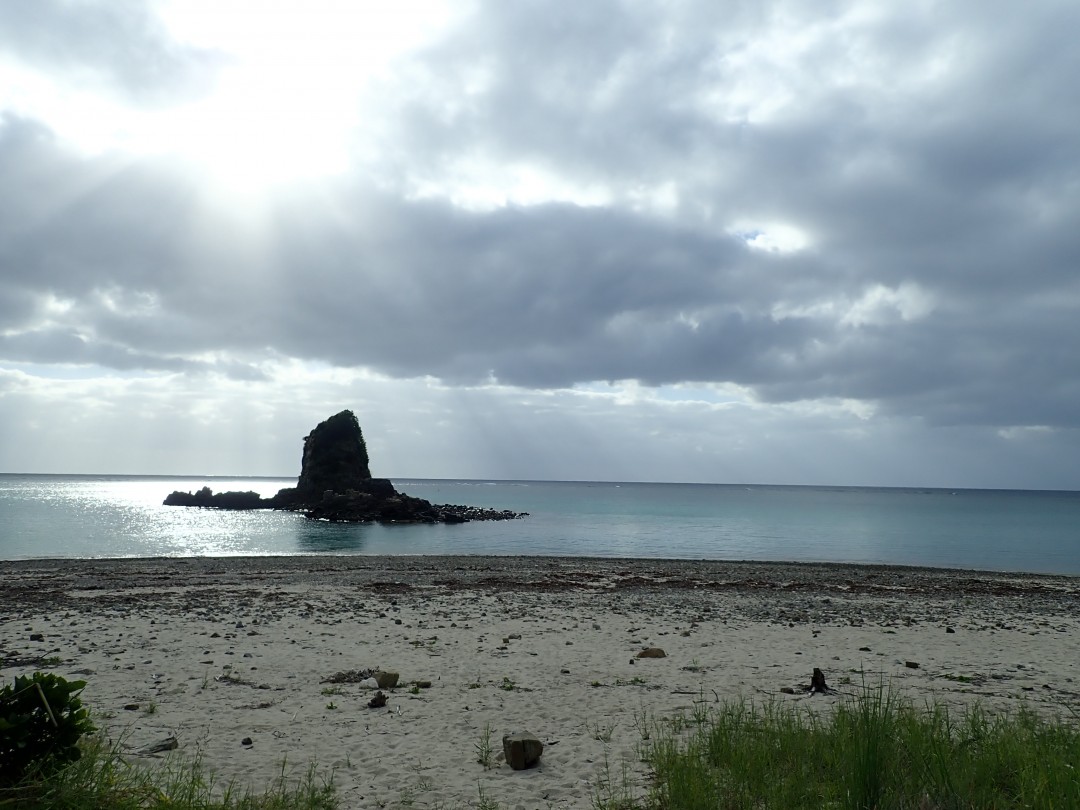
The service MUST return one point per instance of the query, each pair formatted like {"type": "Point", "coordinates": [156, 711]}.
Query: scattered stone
{"type": "Point", "coordinates": [131, 707]}
{"type": "Point", "coordinates": [386, 680]}
{"type": "Point", "coordinates": [787, 690]}
{"type": "Point", "coordinates": [949, 630]}
{"type": "Point", "coordinates": [37, 636]}
{"type": "Point", "coordinates": [422, 684]}
{"type": "Point", "coordinates": [911, 664]}
{"type": "Point", "coordinates": [522, 750]}
{"type": "Point", "coordinates": [652, 652]}
{"type": "Point", "coordinates": [865, 649]}
{"type": "Point", "coordinates": [246, 741]}
{"type": "Point", "coordinates": [369, 683]}
{"type": "Point", "coordinates": [378, 701]}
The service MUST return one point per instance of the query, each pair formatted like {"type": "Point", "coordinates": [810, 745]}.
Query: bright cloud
{"type": "Point", "coordinates": [767, 241]}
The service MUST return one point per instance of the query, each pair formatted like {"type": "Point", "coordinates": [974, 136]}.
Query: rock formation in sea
{"type": "Point", "coordinates": [335, 484]}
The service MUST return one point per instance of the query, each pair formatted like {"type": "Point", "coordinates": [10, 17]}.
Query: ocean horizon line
{"type": "Point", "coordinates": [916, 488]}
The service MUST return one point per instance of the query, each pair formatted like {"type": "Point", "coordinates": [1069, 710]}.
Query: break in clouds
{"type": "Point", "coordinates": [808, 203]}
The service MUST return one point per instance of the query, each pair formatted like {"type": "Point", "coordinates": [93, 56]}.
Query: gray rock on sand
{"type": "Point", "coordinates": [652, 652]}
{"type": "Point", "coordinates": [386, 680]}
{"type": "Point", "coordinates": [522, 750]}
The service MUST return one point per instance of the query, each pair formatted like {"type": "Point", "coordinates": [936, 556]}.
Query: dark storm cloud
{"type": "Point", "coordinates": [122, 44]}
{"type": "Point", "coordinates": [929, 158]}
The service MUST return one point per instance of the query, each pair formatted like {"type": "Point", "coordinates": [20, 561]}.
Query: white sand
{"type": "Point", "coordinates": [162, 633]}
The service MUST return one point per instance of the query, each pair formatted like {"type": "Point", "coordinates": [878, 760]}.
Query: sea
{"type": "Point", "coordinates": [91, 516]}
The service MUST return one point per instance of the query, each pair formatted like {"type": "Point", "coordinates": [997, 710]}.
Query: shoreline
{"type": "Point", "coordinates": [215, 651]}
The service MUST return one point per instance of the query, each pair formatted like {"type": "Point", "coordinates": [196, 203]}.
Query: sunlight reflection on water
{"type": "Point", "coordinates": [89, 516]}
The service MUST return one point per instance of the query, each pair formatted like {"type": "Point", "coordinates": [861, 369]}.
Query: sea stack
{"type": "Point", "coordinates": [335, 457]}
{"type": "Point", "coordinates": [335, 484]}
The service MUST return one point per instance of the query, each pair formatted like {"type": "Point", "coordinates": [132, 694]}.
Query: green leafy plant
{"type": "Point", "coordinates": [41, 721]}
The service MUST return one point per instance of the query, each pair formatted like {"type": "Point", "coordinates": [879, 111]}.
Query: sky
{"type": "Point", "coordinates": [772, 242]}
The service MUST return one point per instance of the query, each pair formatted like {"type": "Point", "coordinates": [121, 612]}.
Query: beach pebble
{"type": "Point", "coordinates": [37, 637]}
{"type": "Point", "coordinates": [246, 741]}
{"type": "Point", "coordinates": [911, 664]}
{"type": "Point", "coordinates": [369, 683]}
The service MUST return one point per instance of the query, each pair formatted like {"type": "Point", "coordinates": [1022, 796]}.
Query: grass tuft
{"type": "Point", "coordinates": [874, 752]}
{"type": "Point", "coordinates": [102, 778]}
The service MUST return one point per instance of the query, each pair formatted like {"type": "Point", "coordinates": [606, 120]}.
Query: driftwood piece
{"type": "Point", "coordinates": [170, 743]}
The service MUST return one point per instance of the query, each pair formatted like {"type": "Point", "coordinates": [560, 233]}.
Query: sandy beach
{"type": "Point", "coordinates": [236, 657]}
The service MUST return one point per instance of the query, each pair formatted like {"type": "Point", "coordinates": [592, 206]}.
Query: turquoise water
{"type": "Point", "coordinates": [109, 516]}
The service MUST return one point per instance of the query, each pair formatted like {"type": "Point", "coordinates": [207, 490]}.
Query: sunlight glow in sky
{"type": "Point", "coordinates": [769, 242]}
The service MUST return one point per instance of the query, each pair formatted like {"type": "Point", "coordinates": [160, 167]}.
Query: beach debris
{"type": "Point", "coordinates": [949, 630]}
{"type": "Point", "coordinates": [817, 683]}
{"type": "Point", "coordinates": [378, 701]}
{"type": "Point", "coordinates": [350, 676]}
{"type": "Point", "coordinates": [652, 652]}
{"type": "Point", "coordinates": [170, 743]}
{"type": "Point", "coordinates": [522, 750]}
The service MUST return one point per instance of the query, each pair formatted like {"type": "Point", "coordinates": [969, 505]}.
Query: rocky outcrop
{"type": "Point", "coordinates": [335, 457]}
{"type": "Point", "coordinates": [335, 484]}
{"type": "Point", "coordinates": [222, 500]}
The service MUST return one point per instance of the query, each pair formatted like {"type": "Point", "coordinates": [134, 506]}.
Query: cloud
{"type": "Point", "coordinates": [123, 47]}
{"type": "Point", "coordinates": [817, 206]}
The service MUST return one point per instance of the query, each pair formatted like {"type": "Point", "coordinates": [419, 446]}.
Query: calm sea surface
{"type": "Point", "coordinates": [118, 516]}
